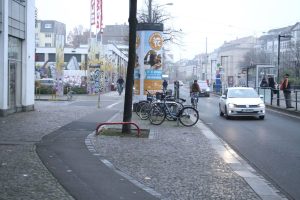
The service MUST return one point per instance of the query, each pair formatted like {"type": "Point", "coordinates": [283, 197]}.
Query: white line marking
{"type": "Point", "coordinates": [260, 185]}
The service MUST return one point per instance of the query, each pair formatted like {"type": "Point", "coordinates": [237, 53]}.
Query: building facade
{"type": "Point", "coordinates": [17, 41]}
{"type": "Point", "coordinates": [46, 32]}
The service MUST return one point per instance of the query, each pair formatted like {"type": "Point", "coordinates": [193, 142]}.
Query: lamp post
{"type": "Point", "coordinates": [211, 61]}
{"type": "Point", "coordinates": [223, 75]}
{"type": "Point", "coordinates": [278, 63]}
{"type": "Point", "coordinates": [150, 9]}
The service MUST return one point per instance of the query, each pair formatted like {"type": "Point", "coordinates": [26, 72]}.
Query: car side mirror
{"type": "Point", "coordinates": [223, 96]}
{"type": "Point", "coordinates": [261, 96]}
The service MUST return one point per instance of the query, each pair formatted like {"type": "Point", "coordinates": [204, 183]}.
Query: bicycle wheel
{"type": "Point", "coordinates": [139, 106]}
{"type": "Point", "coordinates": [188, 116]}
{"type": "Point", "coordinates": [144, 111]}
{"type": "Point", "coordinates": [157, 115]}
{"type": "Point", "coordinates": [174, 108]}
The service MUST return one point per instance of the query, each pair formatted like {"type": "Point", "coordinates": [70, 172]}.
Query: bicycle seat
{"type": "Point", "coordinates": [183, 100]}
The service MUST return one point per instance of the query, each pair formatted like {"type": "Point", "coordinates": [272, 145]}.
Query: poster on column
{"type": "Point", "coordinates": [148, 68]}
{"type": "Point", "coordinates": [59, 65]}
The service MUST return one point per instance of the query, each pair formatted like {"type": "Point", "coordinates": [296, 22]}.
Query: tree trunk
{"type": "Point", "coordinates": [126, 128]}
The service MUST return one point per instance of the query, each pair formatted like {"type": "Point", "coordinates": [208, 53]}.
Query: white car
{"type": "Point", "coordinates": [205, 91]}
{"type": "Point", "coordinates": [180, 83]}
{"type": "Point", "coordinates": [241, 101]}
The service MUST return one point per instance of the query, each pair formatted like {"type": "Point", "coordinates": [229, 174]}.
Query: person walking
{"type": "Point", "coordinates": [286, 88]}
{"type": "Point", "coordinates": [120, 83]}
{"type": "Point", "coordinates": [165, 85]}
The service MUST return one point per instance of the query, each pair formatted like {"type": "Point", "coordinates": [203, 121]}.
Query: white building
{"type": "Point", "coordinates": [17, 41]}
{"type": "Point", "coordinates": [46, 32]}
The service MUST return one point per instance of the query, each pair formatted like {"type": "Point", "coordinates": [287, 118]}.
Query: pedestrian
{"type": "Point", "coordinates": [120, 83]}
{"type": "Point", "coordinates": [165, 85]}
{"type": "Point", "coordinates": [272, 85]}
{"type": "Point", "coordinates": [286, 88]}
{"type": "Point", "coordinates": [264, 82]}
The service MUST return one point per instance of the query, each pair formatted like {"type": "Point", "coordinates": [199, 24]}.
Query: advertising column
{"type": "Point", "coordinates": [148, 69]}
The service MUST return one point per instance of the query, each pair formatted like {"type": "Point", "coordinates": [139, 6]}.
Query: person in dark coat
{"type": "Point", "coordinates": [272, 86]}
{"type": "Point", "coordinates": [286, 87]}
{"type": "Point", "coordinates": [165, 85]}
{"type": "Point", "coordinates": [264, 82]}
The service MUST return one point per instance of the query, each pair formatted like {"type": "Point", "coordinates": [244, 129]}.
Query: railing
{"type": "Point", "coordinates": [275, 97]}
{"type": "Point", "coordinates": [121, 123]}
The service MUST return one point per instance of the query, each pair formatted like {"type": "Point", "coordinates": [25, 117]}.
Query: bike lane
{"type": "Point", "coordinates": [82, 174]}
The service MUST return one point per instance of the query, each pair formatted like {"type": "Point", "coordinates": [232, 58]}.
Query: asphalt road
{"type": "Point", "coordinates": [271, 145]}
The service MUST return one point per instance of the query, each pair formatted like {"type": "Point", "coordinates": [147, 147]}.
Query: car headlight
{"type": "Point", "coordinates": [207, 89]}
{"type": "Point", "coordinates": [230, 105]}
{"type": "Point", "coordinates": [262, 105]}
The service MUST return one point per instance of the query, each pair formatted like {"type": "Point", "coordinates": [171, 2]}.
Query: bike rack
{"type": "Point", "coordinates": [114, 123]}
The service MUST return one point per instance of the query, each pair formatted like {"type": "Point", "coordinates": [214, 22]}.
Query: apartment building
{"type": "Point", "coordinates": [46, 32]}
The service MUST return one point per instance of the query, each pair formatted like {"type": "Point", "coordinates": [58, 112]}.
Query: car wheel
{"type": "Point", "coordinates": [220, 111]}
{"type": "Point", "coordinates": [262, 117]}
{"type": "Point", "coordinates": [226, 113]}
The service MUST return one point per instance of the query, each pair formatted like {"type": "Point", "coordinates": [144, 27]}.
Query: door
{"type": "Point", "coordinates": [12, 85]}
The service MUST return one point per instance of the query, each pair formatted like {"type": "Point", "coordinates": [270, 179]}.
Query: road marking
{"type": "Point", "coordinates": [283, 113]}
{"type": "Point", "coordinates": [112, 105]}
{"type": "Point", "coordinates": [258, 183]}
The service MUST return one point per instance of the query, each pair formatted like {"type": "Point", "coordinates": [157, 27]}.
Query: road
{"type": "Point", "coordinates": [271, 145]}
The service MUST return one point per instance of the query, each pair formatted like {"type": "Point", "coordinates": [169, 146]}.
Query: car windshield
{"type": "Point", "coordinates": [242, 93]}
{"type": "Point", "coordinates": [203, 85]}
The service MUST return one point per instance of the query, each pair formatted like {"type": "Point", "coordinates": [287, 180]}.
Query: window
{"type": "Point", "coordinates": [48, 25]}
{"type": "Point", "coordinates": [47, 44]}
{"type": "Point", "coordinates": [48, 35]}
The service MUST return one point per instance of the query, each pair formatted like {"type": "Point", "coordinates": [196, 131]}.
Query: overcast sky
{"type": "Point", "coordinates": [216, 20]}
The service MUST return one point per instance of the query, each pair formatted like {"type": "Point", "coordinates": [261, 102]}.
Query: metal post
{"type": "Point", "coordinates": [150, 11]}
{"type": "Point", "coordinates": [278, 63]}
{"type": "Point", "coordinates": [211, 71]}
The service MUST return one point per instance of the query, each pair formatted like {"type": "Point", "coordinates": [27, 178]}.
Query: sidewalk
{"type": "Point", "coordinates": [183, 163]}
{"type": "Point", "coordinates": [173, 163]}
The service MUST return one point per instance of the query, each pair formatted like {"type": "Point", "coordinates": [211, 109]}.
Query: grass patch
{"type": "Point", "coordinates": [144, 133]}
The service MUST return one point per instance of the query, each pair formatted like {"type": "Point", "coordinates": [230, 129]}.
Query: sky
{"type": "Point", "coordinates": [205, 25]}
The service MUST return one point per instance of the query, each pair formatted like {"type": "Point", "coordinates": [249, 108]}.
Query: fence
{"type": "Point", "coordinates": [275, 97]}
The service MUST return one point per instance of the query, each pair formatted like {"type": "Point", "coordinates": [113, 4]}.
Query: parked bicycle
{"type": "Point", "coordinates": [144, 107]}
{"type": "Point", "coordinates": [70, 93]}
{"type": "Point", "coordinates": [187, 115]}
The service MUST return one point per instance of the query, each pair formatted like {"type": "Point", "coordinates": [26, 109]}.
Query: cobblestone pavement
{"type": "Point", "coordinates": [178, 162]}
{"type": "Point", "coordinates": [22, 174]}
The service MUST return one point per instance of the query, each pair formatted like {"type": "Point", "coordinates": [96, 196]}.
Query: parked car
{"type": "Point", "coordinates": [241, 101]}
{"type": "Point", "coordinates": [46, 82]}
{"type": "Point", "coordinates": [180, 83]}
{"type": "Point", "coordinates": [205, 90]}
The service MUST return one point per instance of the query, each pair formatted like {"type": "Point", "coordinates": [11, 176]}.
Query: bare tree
{"type": "Point", "coordinates": [295, 50]}
{"type": "Point", "coordinates": [78, 36]}
{"type": "Point", "coordinates": [255, 57]}
{"type": "Point", "coordinates": [155, 13]}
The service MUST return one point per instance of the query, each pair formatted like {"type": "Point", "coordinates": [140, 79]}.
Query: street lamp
{"type": "Point", "coordinates": [278, 63]}
{"type": "Point", "coordinates": [223, 74]}
{"type": "Point", "coordinates": [150, 9]}
{"type": "Point", "coordinates": [211, 61]}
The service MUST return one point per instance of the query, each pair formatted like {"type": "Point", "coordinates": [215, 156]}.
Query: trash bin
{"type": "Point", "coordinates": [112, 87]}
